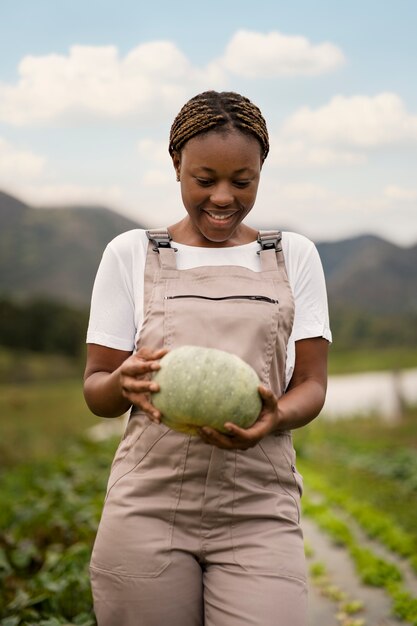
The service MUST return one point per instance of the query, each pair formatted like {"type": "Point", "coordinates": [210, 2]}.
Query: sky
{"type": "Point", "coordinates": [89, 90]}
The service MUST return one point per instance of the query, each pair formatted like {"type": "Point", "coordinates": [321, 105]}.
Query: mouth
{"type": "Point", "coordinates": [220, 217]}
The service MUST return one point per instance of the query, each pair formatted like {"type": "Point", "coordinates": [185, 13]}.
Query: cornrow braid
{"type": "Point", "coordinates": [212, 110]}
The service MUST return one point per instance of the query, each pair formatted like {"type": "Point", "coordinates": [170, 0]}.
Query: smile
{"type": "Point", "coordinates": [220, 217]}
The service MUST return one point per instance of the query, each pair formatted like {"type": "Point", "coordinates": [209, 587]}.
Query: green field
{"type": "Point", "coordinates": [367, 360]}
{"type": "Point", "coordinates": [38, 418]}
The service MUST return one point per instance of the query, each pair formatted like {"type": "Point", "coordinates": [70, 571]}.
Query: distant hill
{"type": "Point", "coordinates": [55, 253]}
{"type": "Point", "coordinates": [370, 274]}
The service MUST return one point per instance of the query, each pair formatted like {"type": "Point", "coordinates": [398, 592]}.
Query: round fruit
{"type": "Point", "coordinates": [206, 387]}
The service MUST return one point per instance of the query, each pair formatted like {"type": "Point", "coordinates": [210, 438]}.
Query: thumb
{"type": "Point", "coordinates": [268, 397]}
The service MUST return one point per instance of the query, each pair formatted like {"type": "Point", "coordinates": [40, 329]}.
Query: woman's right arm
{"type": "Point", "coordinates": [116, 379]}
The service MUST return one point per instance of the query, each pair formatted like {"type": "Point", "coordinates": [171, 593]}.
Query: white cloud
{"type": "Point", "coordinates": [360, 122]}
{"type": "Point", "coordinates": [67, 194]}
{"type": "Point", "coordinates": [298, 153]}
{"type": "Point", "coordinates": [323, 214]}
{"type": "Point", "coordinates": [18, 164]}
{"type": "Point", "coordinates": [155, 163]}
{"type": "Point", "coordinates": [157, 177]}
{"type": "Point", "coordinates": [253, 55]}
{"type": "Point", "coordinates": [154, 151]}
{"type": "Point", "coordinates": [150, 81]}
{"type": "Point", "coordinates": [394, 192]}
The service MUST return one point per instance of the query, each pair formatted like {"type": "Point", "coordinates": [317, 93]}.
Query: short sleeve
{"type": "Point", "coordinates": [307, 281]}
{"type": "Point", "coordinates": [311, 307]}
{"type": "Point", "coordinates": [112, 313]}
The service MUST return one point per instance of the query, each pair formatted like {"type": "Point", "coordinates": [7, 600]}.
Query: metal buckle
{"type": "Point", "coordinates": [269, 242]}
{"type": "Point", "coordinates": [159, 240]}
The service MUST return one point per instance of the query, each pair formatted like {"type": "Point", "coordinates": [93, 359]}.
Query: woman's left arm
{"type": "Point", "coordinates": [300, 404]}
{"type": "Point", "coordinates": [305, 396]}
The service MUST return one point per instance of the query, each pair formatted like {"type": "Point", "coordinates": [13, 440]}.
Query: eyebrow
{"type": "Point", "coordinates": [240, 171]}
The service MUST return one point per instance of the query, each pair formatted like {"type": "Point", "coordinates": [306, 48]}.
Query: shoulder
{"type": "Point", "coordinates": [299, 252]}
{"type": "Point", "coordinates": [128, 241]}
{"type": "Point", "coordinates": [128, 247]}
{"type": "Point", "coordinates": [294, 244]}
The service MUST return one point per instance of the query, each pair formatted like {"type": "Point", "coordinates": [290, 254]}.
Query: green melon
{"type": "Point", "coordinates": [206, 387]}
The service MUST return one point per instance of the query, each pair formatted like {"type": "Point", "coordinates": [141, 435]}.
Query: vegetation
{"type": "Point", "coordinates": [49, 513]}
{"type": "Point", "coordinates": [362, 475]}
{"type": "Point", "coordinates": [43, 326]}
{"type": "Point", "coordinates": [38, 419]}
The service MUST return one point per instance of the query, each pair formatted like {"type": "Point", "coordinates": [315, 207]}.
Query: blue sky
{"type": "Point", "coordinates": [88, 91]}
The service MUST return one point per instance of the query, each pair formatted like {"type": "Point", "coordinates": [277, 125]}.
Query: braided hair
{"type": "Point", "coordinates": [219, 111]}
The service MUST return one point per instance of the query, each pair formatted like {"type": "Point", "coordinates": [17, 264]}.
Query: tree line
{"type": "Point", "coordinates": [42, 325]}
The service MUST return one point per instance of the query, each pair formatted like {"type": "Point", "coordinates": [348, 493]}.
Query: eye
{"type": "Point", "coordinates": [241, 184]}
{"type": "Point", "coordinates": [204, 182]}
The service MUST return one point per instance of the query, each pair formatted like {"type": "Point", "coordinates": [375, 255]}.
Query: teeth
{"type": "Point", "coordinates": [221, 217]}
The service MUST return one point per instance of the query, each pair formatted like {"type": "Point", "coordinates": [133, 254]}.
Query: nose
{"type": "Point", "coordinates": [221, 195]}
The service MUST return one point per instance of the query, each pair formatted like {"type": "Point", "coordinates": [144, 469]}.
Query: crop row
{"type": "Point", "coordinates": [371, 568]}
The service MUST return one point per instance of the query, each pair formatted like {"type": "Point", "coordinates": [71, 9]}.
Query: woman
{"type": "Point", "coordinates": [205, 530]}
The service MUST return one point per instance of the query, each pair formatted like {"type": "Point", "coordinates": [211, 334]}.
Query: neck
{"type": "Point", "coordinates": [184, 232]}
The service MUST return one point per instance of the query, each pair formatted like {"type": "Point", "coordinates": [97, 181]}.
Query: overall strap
{"type": "Point", "coordinates": [271, 249]}
{"type": "Point", "coordinates": [161, 242]}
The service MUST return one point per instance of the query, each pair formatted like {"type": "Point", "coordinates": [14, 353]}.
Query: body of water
{"type": "Point", "coordinates": [382, 393]}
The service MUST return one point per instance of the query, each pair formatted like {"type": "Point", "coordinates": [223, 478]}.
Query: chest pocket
{"type": "Point", "coordinates": [242, 318]}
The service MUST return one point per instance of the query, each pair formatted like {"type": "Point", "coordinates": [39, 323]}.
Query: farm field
{"type": "Point", "coordinates": [359, 511]}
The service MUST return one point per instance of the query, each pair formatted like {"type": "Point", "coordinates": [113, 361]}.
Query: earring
{"type": "Point", "coordinates": [178, 177]}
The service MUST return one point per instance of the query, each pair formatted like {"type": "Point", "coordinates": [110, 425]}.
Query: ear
{"type": "Point", "coordinates": [176, 161]}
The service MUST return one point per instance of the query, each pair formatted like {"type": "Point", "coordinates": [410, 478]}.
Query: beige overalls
{"type": "Point", "coordinates": [191, 534]}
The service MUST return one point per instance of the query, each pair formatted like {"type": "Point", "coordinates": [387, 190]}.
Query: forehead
{"type": "Point", "coordinates": [216, 149]}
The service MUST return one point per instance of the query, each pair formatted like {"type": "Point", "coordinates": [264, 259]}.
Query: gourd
{"type": "Point", "coordinates": [206, 387]}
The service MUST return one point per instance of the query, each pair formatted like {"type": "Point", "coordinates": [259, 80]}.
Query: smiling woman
{"type": "Point", "coordinates": [210, 520]}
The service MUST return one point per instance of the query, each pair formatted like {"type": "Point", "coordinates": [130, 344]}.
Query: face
{"type": "Point", "coordinates": [219, 174]}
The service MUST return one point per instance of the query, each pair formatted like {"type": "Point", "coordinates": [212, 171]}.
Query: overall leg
{"type": "Point", "coordinates": [174, 597]}
{"type": "Point", "coordinates": [237, 597]}
{"type": "Point", "coordinates": [255, 563]}
{"type": "Point", "coordinates": [139, 577]}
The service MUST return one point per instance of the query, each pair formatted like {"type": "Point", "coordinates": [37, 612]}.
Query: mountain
{"type": "Point", "coordinates": [56, 252]}
{"type": "Point", "coordinates": [370, 274]}
{"type": "Point", "coordinates": [53, 252]}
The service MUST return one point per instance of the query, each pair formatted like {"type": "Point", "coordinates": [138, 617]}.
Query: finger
{"type": "Point", "coordinates": [250, 435]}
{"type": "Point", "coordinates": [139, 385]}
{"type": "Point", "coordinates": [214, 438]}
{"type": "Point", "coordinates": [268, 397]}
{"type": "Point", "coordinates": [151, 355]}
{"type": "Point", "coordinates": [226, 442]}
{"type": "Point", "coordinates": [146, 406]}
{"type": "Point", "coordinates": [139, 367]}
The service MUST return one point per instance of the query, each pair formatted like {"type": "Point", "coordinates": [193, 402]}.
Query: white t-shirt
{"type": "Point", "coordinates": [116, 314]}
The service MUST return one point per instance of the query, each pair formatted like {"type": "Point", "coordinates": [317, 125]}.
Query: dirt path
{"type": "Point", "coordinates": [323, 611]}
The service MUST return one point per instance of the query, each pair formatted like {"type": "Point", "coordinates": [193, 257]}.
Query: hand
{"type": "Point", "coordinates": [245, 438]}
{"type": "Point", "coordinates": [136, 381]}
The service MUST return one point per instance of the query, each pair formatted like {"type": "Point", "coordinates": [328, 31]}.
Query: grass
{"type": "Point", "coordinates": [367, 360]}
{"type": "Point", "coordinates": [38, 418]}
{"type": "Point", "coordinates": [21, 366]}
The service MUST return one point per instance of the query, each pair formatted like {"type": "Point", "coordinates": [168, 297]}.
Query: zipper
{"type": "Point", "coordinates": [257, 298]}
